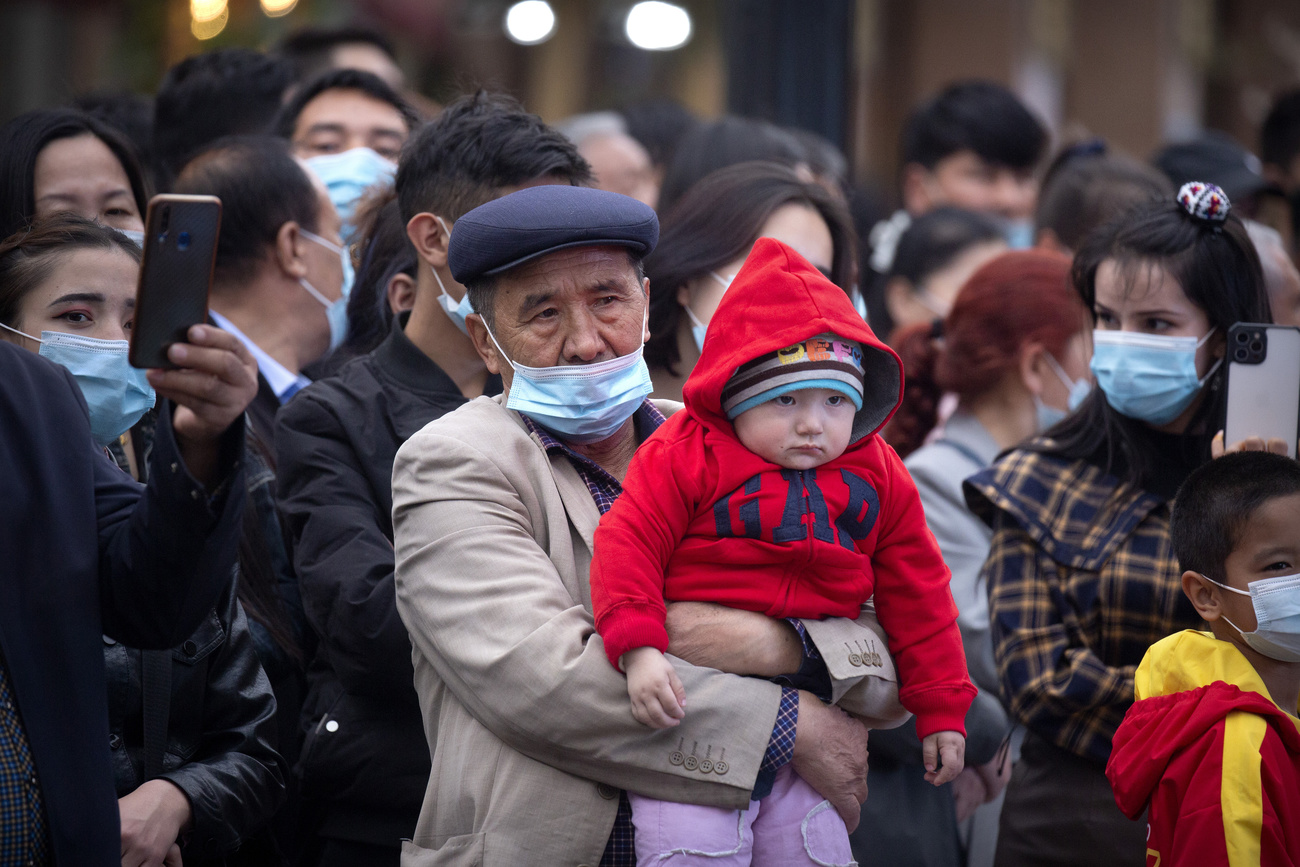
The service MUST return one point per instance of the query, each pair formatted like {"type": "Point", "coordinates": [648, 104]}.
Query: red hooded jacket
{"type": "Point", "coordinates": [702, 518]}
{"type": "Point", "coordinates": [1212, 759]}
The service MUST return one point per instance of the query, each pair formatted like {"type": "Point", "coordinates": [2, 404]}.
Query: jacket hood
{"type": "Point", "coordinates": [778, 299]}
{"type": "Point", "coordinates": [1185, 685]}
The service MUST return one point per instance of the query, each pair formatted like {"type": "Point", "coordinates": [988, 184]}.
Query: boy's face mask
{"type": "Point", "coordinates": [1277, 616]}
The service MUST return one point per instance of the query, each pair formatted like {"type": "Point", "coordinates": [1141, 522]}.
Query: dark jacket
{"type": "Point", "coordinates": [220, 731]}
{"type": "Point", "coordinates": [88, 552]}
{"type": "Point", "coordinates": [364, 777]}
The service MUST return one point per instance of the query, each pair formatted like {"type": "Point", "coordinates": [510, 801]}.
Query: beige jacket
{"type": "Point", "coordinates": [530, 728]}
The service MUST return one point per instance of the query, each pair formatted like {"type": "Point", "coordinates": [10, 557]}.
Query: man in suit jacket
{"type": "Point", "coordinates": [88, 552]}
{"type": "Point", "coordinates": [495, 506]}
{"type": "Point", "coordinates": [279, 276]}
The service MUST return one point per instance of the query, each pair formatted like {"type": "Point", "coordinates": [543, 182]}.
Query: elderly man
{"type": "Point", "coordinates": [495, 505]}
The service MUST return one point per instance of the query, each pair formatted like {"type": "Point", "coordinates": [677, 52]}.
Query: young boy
{"type": "Point", "coordinates": [771, 492]}
{"type": "Point", "coordinates": [1211, 749]}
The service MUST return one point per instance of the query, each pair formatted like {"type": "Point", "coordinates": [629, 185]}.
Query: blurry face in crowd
{"type": "Point", "coordinates": [797, 225]}
{"type": "Point", "coordinates": [340, 120]}
{"type": "Point", "coordinates": [621, 165]}
{"type": "Point", "coordinates": [368, 58]}
{"type": "Point", "coordinates": [80, 175]}
{"type": "Point", "coordinates": [910, 304]}
{"type": "Point", "coordinates": [88, 292]}
{"type": "Point", "coordinates": [575, 306]}
{"type": "Point", "coordinates": [966, 180]}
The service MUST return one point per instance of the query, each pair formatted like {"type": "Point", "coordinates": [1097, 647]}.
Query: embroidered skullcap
{"type": "Point", "coordinates": [1205, 202]}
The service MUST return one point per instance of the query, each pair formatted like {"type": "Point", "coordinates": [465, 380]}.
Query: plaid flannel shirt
{"type": "Point", "coordinates": [620, 851]}
{"type": "Point", "coordinates": [1082, 579]}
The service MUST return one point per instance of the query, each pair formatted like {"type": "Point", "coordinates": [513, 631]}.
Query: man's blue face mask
{"type": "Point", "coordinates": [347, 177]}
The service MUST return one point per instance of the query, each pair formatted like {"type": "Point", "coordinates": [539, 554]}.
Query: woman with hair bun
{"type": "Point", "coordinates": [1013, 351]}
{"type": "Point", "coordinates": [1081, 574]}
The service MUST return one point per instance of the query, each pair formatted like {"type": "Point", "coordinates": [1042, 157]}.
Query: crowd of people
{"type": "Point", "coordinates": [636, 490]}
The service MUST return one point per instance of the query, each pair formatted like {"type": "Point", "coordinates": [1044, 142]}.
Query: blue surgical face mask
{"type": "Point", "coordinates": [456, 310]}
{"type": "Point", "coordinates": [347, 177]}
{"type": "Point", "coordinates": [1277, 616]}
{"type": "Point", "coordinates": [335, 311]}
{"type": "Point", "coordinates": [1019, 234]}
{"type": "Point", "coordinates": [699, 328]}
{"type": "Point", "coordinates": [345, 259]}
{"type": "Point", "coordinates": [116, 393]}
{"type": "Point", "coordinates": [582, 403]}
{"type": "Point", "coordinates": [1148, 377]}
{"type": "Point", "coordinates": [1079, 389]}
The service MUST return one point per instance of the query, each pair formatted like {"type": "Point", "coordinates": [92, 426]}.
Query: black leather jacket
{"type": "Point", "coordinates": [220, 736]}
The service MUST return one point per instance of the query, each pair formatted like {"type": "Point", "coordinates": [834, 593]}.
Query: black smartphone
{"type": "Point", "coordinates": [1263, 384]}
{"type": "Point", "coordinates": [180, 248]}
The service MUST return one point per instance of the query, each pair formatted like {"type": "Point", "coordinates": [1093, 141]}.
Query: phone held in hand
{"type": "Point", "coordinates": [1263, 384]}
{"type": "Point", "coordinates": [180, 249]}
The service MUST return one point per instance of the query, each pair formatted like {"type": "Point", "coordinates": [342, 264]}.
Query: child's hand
{"type": "Point", "coordinates": [658, 699]}
{"type": "Point", "coordinates": [948, 747]}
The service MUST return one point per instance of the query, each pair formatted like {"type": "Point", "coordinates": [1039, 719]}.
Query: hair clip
{"type": "Point", "coordinates": [1205, 202]}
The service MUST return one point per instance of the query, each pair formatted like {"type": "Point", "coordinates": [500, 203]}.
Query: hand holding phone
{"type": "Point", "coordinates": [180, 249]}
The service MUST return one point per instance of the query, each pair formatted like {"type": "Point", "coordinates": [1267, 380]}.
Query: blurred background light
{"type": "Point", "coordinates": [657, 26]}
{"type": "Point", "coordinates": [530, 22]}
{"type": "Point", "coordinates": [276, 8]}
{"type": "Point", "coordinates": [208, 17]}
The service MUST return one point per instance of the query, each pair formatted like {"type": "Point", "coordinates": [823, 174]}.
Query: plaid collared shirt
{"type": "Point", "coordinates": [22, 817]}
{"type": "Point", "coordinates": [1082, 579]}
{"type": "Point", "coordinates": [620, 850]}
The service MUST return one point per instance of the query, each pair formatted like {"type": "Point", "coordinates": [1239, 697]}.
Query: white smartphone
{"type": "Point", "coordinates": [1263, 384]}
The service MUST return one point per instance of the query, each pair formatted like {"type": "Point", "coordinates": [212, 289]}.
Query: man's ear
{"type": "Point", "coordinates": [899, 301]}
{"type": "Point", "coordinates": [1203, 598]}
{"type": "Point", "coordinates": [919, 194]}
{"type": "Point", "coordinates": [645, 291]}
{"type": "Point", "coordinates": [401, 292]}
{"type": "Point", "coordinates": [289, 248]}
{"type": "Point", "coordinates": [483, 344]}
{"type": "Point", "coordinates": [429, 239]}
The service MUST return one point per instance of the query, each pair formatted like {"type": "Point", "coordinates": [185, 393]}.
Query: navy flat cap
{"type": "Point", "coordinates": [513, 229]}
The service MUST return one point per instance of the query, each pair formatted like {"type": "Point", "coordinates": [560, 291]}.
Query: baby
{"type": "Point", "coordinates": [771, 492]}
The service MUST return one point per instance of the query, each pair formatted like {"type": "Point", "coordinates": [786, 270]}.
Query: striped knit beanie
{"type": "Point", "coordinates": [824, 361]}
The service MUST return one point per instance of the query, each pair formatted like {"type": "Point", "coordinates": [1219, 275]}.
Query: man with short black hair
{"type": "Point", "coordinates": [367, 760]}
{"type": "Point", "coordinates": [1279, 151]}
{"type": "Point", "coordinates": [231, 91]}
{"type": "Point", "coordinates": [278, 275]}
{"type": "Point", "coordinates": [974, 146]}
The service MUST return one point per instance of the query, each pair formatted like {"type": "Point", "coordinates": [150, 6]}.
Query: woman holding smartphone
{"type": "Point", "coordinates": [1081, 575]}
{"type": "Point", "coordinates": [67, 291]}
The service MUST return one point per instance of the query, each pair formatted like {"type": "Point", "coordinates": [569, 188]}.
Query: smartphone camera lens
{"type": "Point", "coordinates": [1257, 346]}
{"type": "Point", "coordinates": [1242, 337]}
{"type": "Point", "coordinates": [1240, 353]}
{"type": "Point", "coordinates": [183, 241]}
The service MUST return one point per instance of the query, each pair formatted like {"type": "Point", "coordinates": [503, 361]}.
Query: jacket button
{"type": "Point", "coordinates": [676, 757]}
{"type": "Point", "coordinates": [607, 791]}
{"type": "Point", "coordinates": [721, 768]}
{"type": "Point", "coordinates": [114, 742]}
{"type": "Point", "coordinates": [332, 726]}
{"type": "Point", "coordinates": [691, 763]}
{"type": "Point", "coordinates": [190, 648]}
{"type": "Point", "coordinates": [855, 659]}
{"type": "Point", "coordinates": [706, 767]}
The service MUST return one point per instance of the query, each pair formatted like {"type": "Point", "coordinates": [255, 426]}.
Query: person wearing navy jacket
{"type": "Point", "coordinates": [84, 552]}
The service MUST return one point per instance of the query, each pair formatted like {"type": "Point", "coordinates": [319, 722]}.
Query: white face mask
{"type": "Point", "coordinates": [1277, 616]}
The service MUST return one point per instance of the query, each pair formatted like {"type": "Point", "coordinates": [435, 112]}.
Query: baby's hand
{"type": "Point", "coordinates": [949, 747]}
{"type": "Point", "coordinates": [658, 699]}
